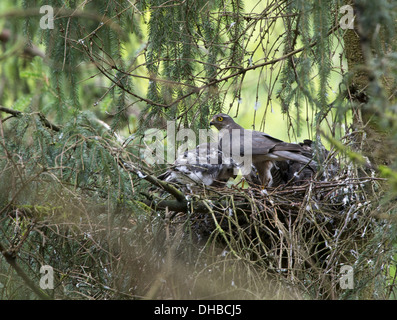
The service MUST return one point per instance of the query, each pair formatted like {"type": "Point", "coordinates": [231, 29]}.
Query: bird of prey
{"type": "Point", "coordinates": [293, 172]}
{"type": "Point", "coordinates": [204, 165]}
{"type": "Point", "coordinates": [263, 150]}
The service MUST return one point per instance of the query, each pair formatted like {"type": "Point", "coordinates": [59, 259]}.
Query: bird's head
{"type": "Point", "coordinates": [223, 121]}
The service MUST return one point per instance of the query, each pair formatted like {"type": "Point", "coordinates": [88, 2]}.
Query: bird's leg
{"type": "Point", "coordinates": [265, 175]}
{"type": "Point", "coordinates": [242, 180]}
{"type": "Point", "coordinates": [265, 183]}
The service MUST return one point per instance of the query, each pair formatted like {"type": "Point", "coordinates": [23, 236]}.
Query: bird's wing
{"type": "Point", "coordinates": [285, 146]}
{"type": "Point", "coordinates": [263, 143]}
{"type": "Point", "coordinates": [263, 147]}
{"type": "Point", "coordinates": [200, 165]}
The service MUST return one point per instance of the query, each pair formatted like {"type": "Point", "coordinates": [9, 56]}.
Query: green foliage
{"type": "Point", "coordinates": [111, 68]}
{"type": "Point", "coordinates": [189, 50]}
{"type": "Point", "coordinates": [311, 22]}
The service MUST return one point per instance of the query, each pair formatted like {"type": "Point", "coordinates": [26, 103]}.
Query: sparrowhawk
{"type": "Point", "coordinates": [264, 149]}
{"type": "Point", "coordinates": [204, 165]}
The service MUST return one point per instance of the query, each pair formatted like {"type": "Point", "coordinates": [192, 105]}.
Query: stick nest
{"type": "Point", "coordinates": [302, 235]}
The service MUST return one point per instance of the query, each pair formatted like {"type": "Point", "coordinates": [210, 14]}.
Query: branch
{"type": "Point", "coordinates": [205, 86]}
{"type": "Point", "coordinates": [179, 196]}
{"type": "Point", "coordinates": [44, 120]}
{"type": "Point", "coordinates": [48, 124]}
{"type": "Point", "coordinates": [32, 50]}
{"type": "Point", "coordinates": [67, 13]}
{"type": "Point", "coordinates": [15, 113]}
{"type": "Point", "coordinates": [11, 259]}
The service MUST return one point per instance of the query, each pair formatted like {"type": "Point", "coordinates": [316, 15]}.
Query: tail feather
{"type": "Point", "coordinates": [297, 157]}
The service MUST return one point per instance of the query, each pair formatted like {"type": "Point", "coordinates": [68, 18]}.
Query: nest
{"type": "Point", "coordinates": [302, 235]}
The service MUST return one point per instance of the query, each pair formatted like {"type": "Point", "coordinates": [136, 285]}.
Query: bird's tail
{"type": "Point", "coordinates": [298, 158]}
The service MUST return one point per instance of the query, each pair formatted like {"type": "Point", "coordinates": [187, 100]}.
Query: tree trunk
{"type": "Point", "coordinates": [372, 138]}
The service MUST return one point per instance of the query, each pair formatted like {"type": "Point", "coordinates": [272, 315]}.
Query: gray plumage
{"type": "Point", "coordinates": [202, 165]}
{"type": "Point", "coordinates": [264, 149]}
{"type": "Point", "coordinates": [206, 164]}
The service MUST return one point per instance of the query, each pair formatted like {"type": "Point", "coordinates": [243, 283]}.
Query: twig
{"type": "Point", "coordinates": [179, 196]}
{"type": "Point", "coordinates": [11, 260]}
{"type": "Point", "coordinates": [32, 50]}
{"type": "Point", "coordinates": [44, 120]}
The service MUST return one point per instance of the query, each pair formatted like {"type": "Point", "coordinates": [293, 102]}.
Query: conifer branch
{"type": "Point", "coordinates": [11, 260]}
{"type": "Point", "coordinates": [44, 120]}
{"type": "Point", "coordinates": [195, 89]}
{"type": "Point", "coordinates": [179, 196]}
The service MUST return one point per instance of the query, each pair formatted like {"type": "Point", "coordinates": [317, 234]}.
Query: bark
{"type": "Point", "coordinates": [372, 139]}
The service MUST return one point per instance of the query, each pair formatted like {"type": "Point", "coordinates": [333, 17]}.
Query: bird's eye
{"type": "Point", "coordinates": [220, 119]}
